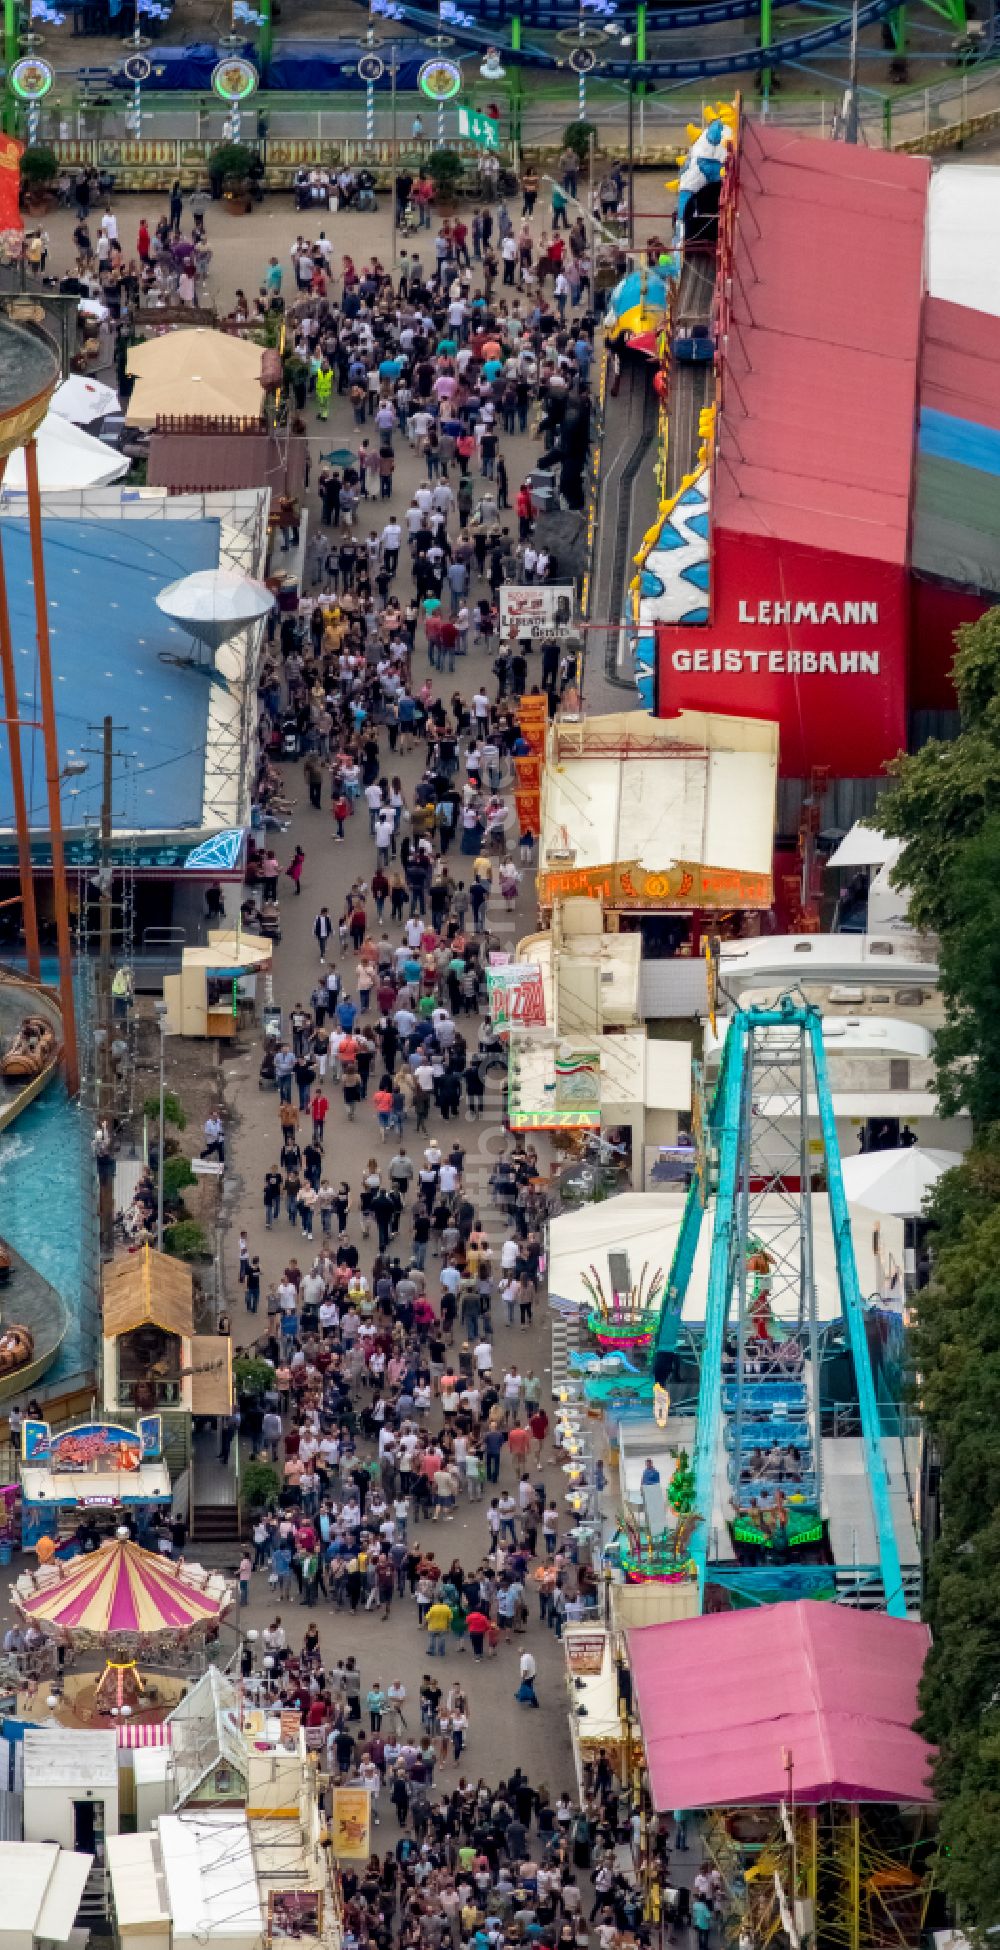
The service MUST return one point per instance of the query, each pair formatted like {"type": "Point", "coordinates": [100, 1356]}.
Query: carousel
{"type": "Point", "coordinates": [132, 1606]}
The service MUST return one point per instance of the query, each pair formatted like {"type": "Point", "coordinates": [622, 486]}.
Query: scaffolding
{"type": "Point", "coordinates": [845, 1876]}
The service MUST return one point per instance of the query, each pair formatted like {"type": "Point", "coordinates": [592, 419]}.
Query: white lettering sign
{"type": "Point", "coordinates": [781, 663]}
{"type": "Point", "coordinates": [847, 615]}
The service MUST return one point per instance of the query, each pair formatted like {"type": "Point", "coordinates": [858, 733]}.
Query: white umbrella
{"type": "Point", "coordinates": [82, 400]}
{"type": "Point", "coordinates": [895, 1182]}
{"type": "Point", "coordinates": [67, 458]}
{"type": "Point", "coordinates": [215, 604]}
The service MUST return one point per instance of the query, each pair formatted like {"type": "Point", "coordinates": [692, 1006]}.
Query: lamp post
{"type": "Point", "coordinates": [161, 1017]}
{"type": "Point", "coordinates": [51, 742]}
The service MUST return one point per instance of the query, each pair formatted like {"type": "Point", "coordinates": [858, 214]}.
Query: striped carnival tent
{"type": "Point", "coordinates": [120, 1595]}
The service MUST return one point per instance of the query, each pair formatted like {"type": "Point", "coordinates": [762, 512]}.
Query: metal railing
{"type": "Point", "coordinates": [307, 128]}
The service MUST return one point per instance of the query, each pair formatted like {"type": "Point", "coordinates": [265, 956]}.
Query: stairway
{"type": "Point", "coordinates": [215, 1523]}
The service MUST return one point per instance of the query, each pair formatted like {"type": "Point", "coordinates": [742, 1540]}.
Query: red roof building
{"type": "Point", "coordinates": [845, 401]}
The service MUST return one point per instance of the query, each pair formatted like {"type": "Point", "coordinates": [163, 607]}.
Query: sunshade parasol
{"type": "Point", "coordinates": [198, 372]}
{"type": "Point", "coordinates": [340, 457]}
{"type": "Point", "coordinates": [118, 1591]}
{"type": "Point", "coordinates": [82, 400]}
{"type": "Point", "coordinates": [896, 1181]}
{"type": "Point", "coordinates": [215, 604]}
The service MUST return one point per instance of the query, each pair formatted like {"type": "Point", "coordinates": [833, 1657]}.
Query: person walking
{"type": "Point", "coordinates": [323, 929]}
{"type": "Point", "coordinates": [526, 1695]}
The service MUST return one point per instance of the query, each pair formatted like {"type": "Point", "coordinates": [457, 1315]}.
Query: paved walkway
{"type": "Point", "coordinates": [501, 1733]}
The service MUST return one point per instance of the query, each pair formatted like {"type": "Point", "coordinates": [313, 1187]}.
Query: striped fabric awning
{"type": "Point", "coordinates": [121, 1589]}
{"type": "Point", "coordinates": [133, 1734]}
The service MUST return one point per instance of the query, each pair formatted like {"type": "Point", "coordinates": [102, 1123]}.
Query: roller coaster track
{"type": "Point", "coordinates": [634, 415]}
{"type": "Point", "coordinates": [739, 61]}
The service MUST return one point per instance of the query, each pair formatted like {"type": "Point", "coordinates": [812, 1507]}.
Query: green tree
{"type": "Point", "coordinates": [260, 1485]}
{"type": "Point", "coordinates": [173, 1110]}
{"type": "Point", "coordinates": [577, 136]}
{"type": "Point", "coordinates": [252, 1376]}
{"type": "Point", "coordinates": [967, 1049]}
{"type": "Point", "coordinates": [956, 1358]}
{"type": "Point", "coordinates": [946, 793]}
{"type": "Point", "coordinates": [946, 808]}
{"type": "Point", "coordinates": [186, 1240]}
{"type": "Point", "coordinates": [177, 1176]}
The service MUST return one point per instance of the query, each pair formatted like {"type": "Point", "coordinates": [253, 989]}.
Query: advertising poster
{"type": "Point", "coordinates": [578, 1081]}
{"type": "Point", "coordinates": [517, 997]}
{"type": "Point", "coordinates": [535, 609]}
{"type": "Point", "coordinates": [584, 1651]}
{"type": "Point", "coordinates": [351, 1824]}
{"type": "Point", "coordinates": [533, 718]}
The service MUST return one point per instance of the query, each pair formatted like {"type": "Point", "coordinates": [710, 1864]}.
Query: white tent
{"type": "Point", "coordinates": [83, 400]}
{"type": "Point", "coordinates": [895, 1182]}
{"type": "Point", "coordinates": [67, 458]}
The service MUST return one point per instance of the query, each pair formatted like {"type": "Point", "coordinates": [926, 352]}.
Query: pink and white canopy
{"type": "Point", "coordinates": [120, 1591]}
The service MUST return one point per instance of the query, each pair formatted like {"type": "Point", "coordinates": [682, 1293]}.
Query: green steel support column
{"type": "Point", "coordinates": [765, 41]}
{"type": "Point", "coordinates": [887, 122]}
{"type": "Point", "coordinates": [515, 89]}
{"type": "Point", "coordinates": [11, 50]}
{"type": "Point", "coordinates": [898, 20]}
{"type": "Point", "coordinates": [265, 44]}
{"type": "Point", "coordinates": [640, 43]}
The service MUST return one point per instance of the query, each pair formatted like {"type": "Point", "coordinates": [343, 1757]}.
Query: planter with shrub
{"type": "Point", "coordinates": [260, 1485]}
{"type": "Point", "coordinates": [231, 173]}
{"type": "Point", "coordinates": [39, 169]}
{"type": "Point", "coordinates": [446, 170]}
{"type": "Point", "coordinates": [252, 1376]}
{"type": "Point", "coordinates": [576, 136]}
{"type": "Point", "coordinates": [186, 1239]}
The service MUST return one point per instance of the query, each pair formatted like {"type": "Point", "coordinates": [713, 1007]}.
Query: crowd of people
{"type": "Point", "coordinates": [388, 712]}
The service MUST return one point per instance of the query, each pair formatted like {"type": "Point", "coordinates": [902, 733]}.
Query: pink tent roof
{"type": "Point", "coordinates": [722, 1698]}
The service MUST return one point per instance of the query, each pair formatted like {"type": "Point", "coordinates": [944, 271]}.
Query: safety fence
{"type": "Point", "coordinates": [296, 131]}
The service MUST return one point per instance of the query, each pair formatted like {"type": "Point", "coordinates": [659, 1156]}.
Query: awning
{"type": "Point", "coordinates": [134, 1733]}
{"type": "Point", "coordinates": [865, 846]}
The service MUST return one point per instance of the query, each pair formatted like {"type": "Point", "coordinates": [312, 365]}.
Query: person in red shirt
{"type": "Point", "coordinates": [340, 810]}
{"type": "Point", "coordinates": [449, 642]}
{"type": "Point", "coordinates": [518, 1443]}
{"type": "Point", "coordinates": [142, 242]}
{"type": "Point", "coordinates": [539, 1425]}
{"type": "Point", "coordinates": [478, 1625]}
{"type": "Point", "coordinates": [319, 1107]}
{"type": "Point", "coordinates": [524, 510]}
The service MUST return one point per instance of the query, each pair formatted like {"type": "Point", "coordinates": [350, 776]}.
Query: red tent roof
{"type": "Point", "coordinates": [721, 1699]}
{"type": "Point", "coordinates": [816, 434]}
{"type": "Point", "coordinates": [960, 367]}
